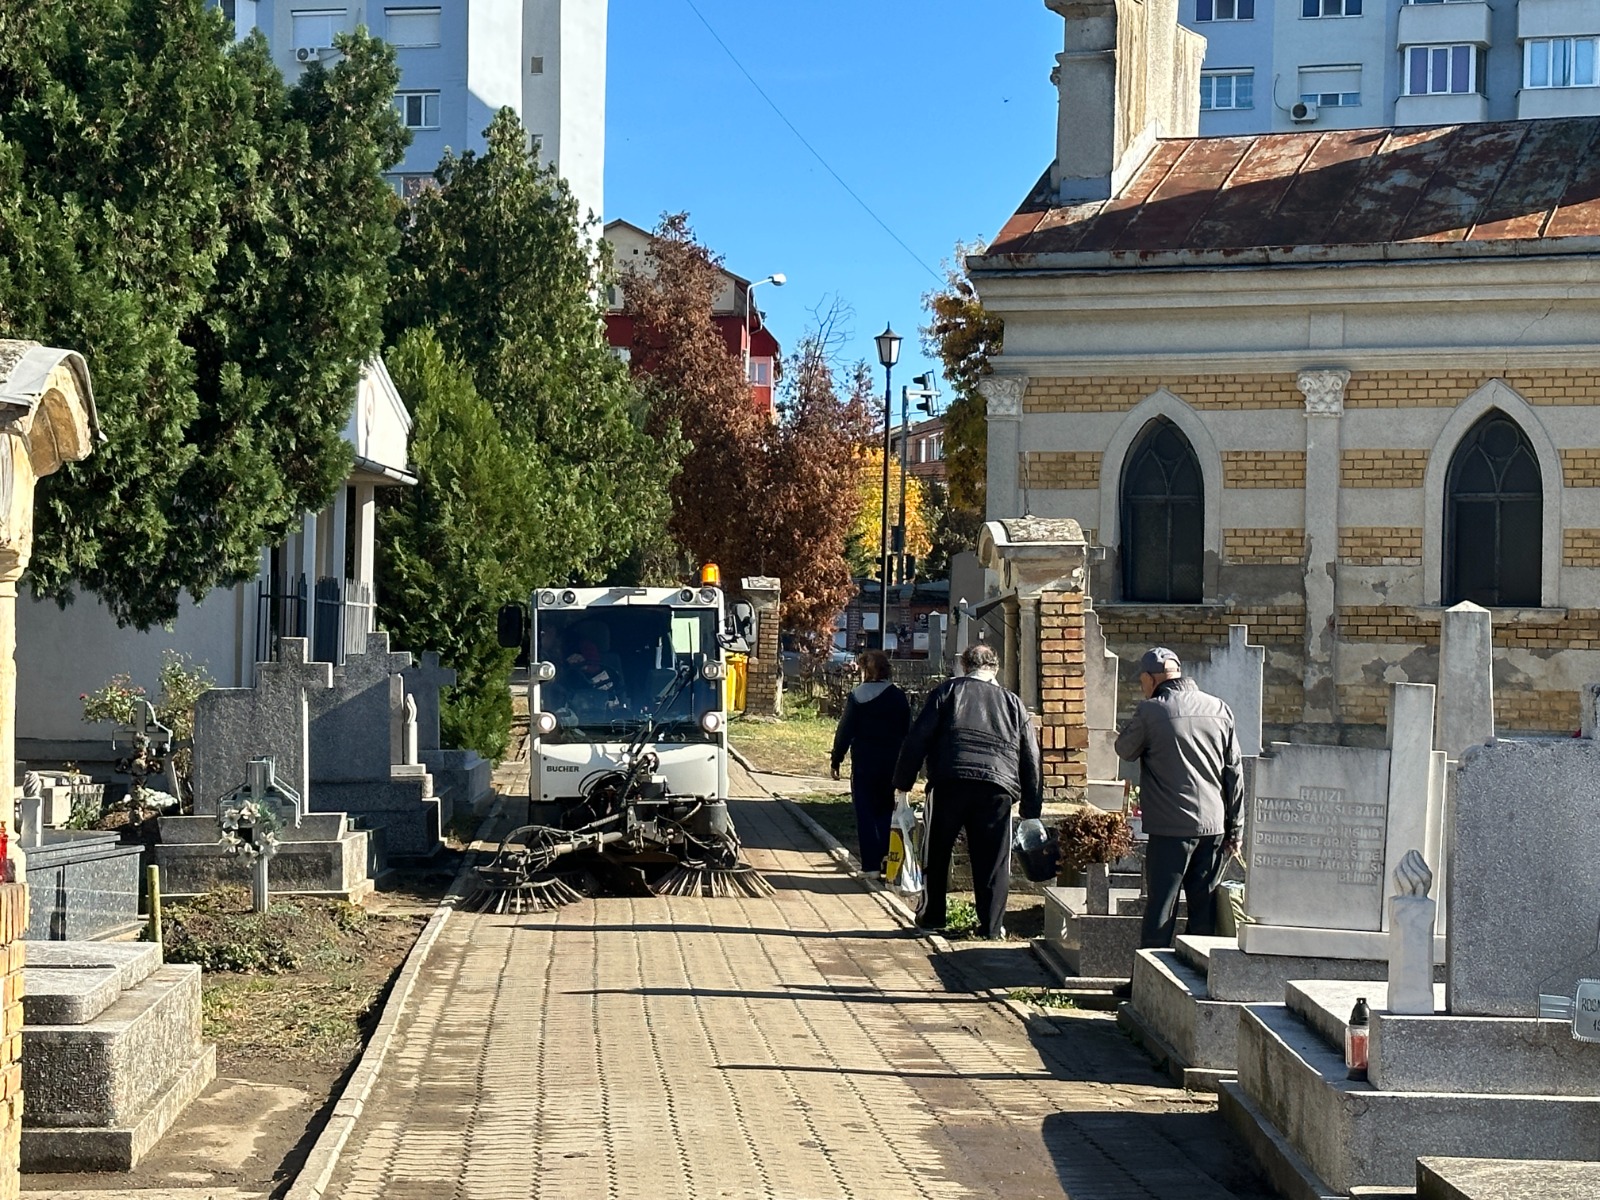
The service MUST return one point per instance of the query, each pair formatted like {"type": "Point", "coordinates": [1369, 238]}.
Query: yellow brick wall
{"type": "Point", "coordinates": [1264, 468]}
{"type": "Point", "coordinates": [1277, 390]}
{"type": "Point", "coordinates": [1258, 546]}
{"type": "Point", "coordinates": [1580, 548]}
{"type": "Point", "coordinates": [1118, 393]}
{"type": "Point", "coordinates": [13, 922]}
{"type": "Point", "coordinates": [1578, 630]}
{"type": "Point", "coordinates": [1063, 719]}
{"type": "Point", "coordinates": [1382, 468]}
{"type": "Point", "coordinates": [1581, 468]}
{"type": "Point", "coordinates": [1380, 545]}
{"type": "Point", "coordinates": [1059, 469]}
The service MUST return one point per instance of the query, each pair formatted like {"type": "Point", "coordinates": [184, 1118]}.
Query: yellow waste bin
{"type": "Point", "coordinates": [738, 677]}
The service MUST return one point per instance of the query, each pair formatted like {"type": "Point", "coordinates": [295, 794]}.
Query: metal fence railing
{"type": "Point", "coordinates": [826, 689]}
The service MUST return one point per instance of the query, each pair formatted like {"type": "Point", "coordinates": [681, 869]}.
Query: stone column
{"type": "Point", "coordinates": [1466, 679]}
{"type": "Point", "coordinates": [1003, 395]}
{"type": "Point", "coordinates": [1324, 393]}
{"type": "Point", "coordinates": [47, 418]}
{"type": "Point", "coordinates": [1044, 565]}
{"type": "Point", "coordinates": [764, 681]}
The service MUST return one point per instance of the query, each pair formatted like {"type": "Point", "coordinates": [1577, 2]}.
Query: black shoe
{"type": "Point", "coordinates": [1123, 991]}
{"type": "Point", "coordinates": [933, 926]}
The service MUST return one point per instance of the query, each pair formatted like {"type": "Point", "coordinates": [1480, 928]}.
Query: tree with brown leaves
{"type": "Point", "coordinates": [755, 495]}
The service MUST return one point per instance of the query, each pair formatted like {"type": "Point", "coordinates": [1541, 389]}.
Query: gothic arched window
{"type": "Point", "coordinates": [1494, 517]}
{"type": "Point", "coordinates": [1163, 518]}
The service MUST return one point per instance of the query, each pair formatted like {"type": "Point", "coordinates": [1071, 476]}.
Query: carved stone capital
{"type": "Point", "coordinates": [1004, 394]}
{"type": "Point", "coordinates": [1324, 392]}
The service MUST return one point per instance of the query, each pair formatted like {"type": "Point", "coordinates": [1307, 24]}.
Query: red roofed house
{"type": "Point", "coordinates": [1323, 383]}
{"type": "Point", "coordinates": [631, 245]}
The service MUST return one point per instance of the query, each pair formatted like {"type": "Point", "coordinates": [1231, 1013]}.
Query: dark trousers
{"type": "Point", "coordinates": [1172, 864]}
{"type": "Point", "coordinates": [874, 803]}
{"type": "Point", "coordinates": [984, 811]}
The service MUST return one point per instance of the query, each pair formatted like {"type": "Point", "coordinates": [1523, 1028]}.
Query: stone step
{"type": "Point", "coordinates": [106, 1071]}
{"type": "Point", "coordinates": [133, 962]}
{"type": "Point", "coordinates": [1506, 1179]}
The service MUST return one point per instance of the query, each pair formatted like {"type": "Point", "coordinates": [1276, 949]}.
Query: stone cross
{"type": "Point", "coordinates": [32, 830]}
{"type": "Point", "coordinates": [1416, 770]}
{"type": "Point", "coordinates": [424, 680]}
{"type": "Point", "coordinates": [234, 725]}
{"type": "Point", "coordinates": [356, 727]}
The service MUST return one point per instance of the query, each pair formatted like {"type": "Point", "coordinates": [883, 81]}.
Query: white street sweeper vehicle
{"type": "Point", "coordinates": [628, 777]}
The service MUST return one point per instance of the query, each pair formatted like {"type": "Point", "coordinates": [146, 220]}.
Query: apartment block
{"type": "Point", "coordinates": [460, 62]}
{"type": "Point", "coordinates": [1355, 64]}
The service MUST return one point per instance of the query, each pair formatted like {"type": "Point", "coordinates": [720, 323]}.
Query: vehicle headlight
{"type": "Point", "coordinates": [547, 598]}
{"type": "Point", "coordinates": [544, 722]}
{"type": "Point", "coordinates": [686, 596]}
{"type": "Point", "coordinates": [711, 722]}
{"type": "Point", "coordinates": [712, 671]}
{"type": "Point", "coordinates": [569, 597]}
{"type": "Point", "coordinates": [708, 595]}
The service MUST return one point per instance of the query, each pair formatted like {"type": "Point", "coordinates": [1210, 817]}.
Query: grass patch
{"type": "Point", "coordinates": [295, 982]}
{"type": "Point", "coordinates": [799, 744]}
{"type": "Point", "coordinates": [1042, 997]}
{"type": "Point", "coordinates": [836, 814]}
{"type": "Point", "coordinates": [960, 918]}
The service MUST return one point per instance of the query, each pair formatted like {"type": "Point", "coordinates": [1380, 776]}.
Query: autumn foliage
{"type": "Point", "coordinates": [756, 495]}
{"type": "Point", "coordinates": [965, 336]}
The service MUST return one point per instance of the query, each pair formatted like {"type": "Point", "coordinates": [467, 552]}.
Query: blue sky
{"type": "Point", "coordinates": [939, 114]}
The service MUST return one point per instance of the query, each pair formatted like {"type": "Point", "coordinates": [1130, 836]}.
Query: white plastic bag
{"type": "Point", "coordinates": [905, 847]}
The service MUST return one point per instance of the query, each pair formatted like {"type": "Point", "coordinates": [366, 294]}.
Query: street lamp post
{"type": "Point", "coordinates": [926, 391]}
{"type": "Point", "coordinates": [775, 281]}
{"type": "Point", "coordinates": [888, 354]}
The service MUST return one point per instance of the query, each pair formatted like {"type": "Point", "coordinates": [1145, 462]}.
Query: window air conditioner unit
{"type": "Point", "coordinates": [308, 54]}
{"type": "Point", "coordinates": [1303, 113]}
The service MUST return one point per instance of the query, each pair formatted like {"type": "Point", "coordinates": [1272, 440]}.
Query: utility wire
{"type": "Point", "coordinates": [772, 104]}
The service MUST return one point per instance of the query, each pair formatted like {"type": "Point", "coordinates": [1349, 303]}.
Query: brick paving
{"type": "Point", "coordinates": [803, 1046]}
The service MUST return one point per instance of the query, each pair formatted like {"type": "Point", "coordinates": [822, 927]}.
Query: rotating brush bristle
{"type": "Point", "coordinates": [703, 879]}
{"type": "Point", "coordinates": [518, 896]}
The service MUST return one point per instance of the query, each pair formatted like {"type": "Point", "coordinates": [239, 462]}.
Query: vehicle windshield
{"type": "Point", "coordinates": [618, 666]}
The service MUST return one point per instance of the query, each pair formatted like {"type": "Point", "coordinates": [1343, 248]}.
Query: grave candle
{"type": "Point", "coordinates": [1355, 1041]}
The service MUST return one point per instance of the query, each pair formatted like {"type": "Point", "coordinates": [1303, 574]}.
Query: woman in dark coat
{"type": "Point", "coordinates": [876, 718]}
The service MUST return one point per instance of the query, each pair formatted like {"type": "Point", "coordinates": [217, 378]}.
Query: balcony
{"type": "Point", "coordinates": [1459, 22]}
{"type": "Point", "coordinates": [1460, 108]}
{"type": "Point", "coordinates": [1558, 102]}
{"type": "Point", "coordinates": [1557, 18]}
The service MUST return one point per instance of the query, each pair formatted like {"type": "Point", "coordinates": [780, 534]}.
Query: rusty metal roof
{"type": "Point", "coordinates": [1509, 187]}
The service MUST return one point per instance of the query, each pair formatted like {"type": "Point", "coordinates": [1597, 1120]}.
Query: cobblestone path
{"type": "Point", "coordinates": [803, 1046]}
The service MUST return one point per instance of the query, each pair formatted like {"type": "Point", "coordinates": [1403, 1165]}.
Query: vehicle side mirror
{"type": "Point", "coordinates": [512, 627]}
{"type": "Point", "coordinates": [743, 621]}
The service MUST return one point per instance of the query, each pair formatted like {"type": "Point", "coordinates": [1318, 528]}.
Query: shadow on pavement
{"type": "Point", "coordinates": [751, 994]}
{"type": "Point", "coordinates": [1178, 1155]}
{"type": "Point", "coordinates": [832, 935]}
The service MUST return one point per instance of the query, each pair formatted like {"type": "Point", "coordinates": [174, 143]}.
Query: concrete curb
{"type": "Point", "coordinates": [885, 896]}
{"type": "Point", "coordinates": [744, 762]}
{"type": "Point", "coordinates": [317, 1172]}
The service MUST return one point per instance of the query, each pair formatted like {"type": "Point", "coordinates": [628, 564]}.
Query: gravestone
{"type": "Point", "coordinates": [1524, 875]}
{"type": "Point", "coordinates": [1327, 825]}
{"type": "Point", "coordinates": [423, 681]}
{"type": "Point", "coordinates": [355, 726]}
{"type": "Point", "coordinates": [1100, 668]}
{"type": "Point", "coordinates": [1466, 679]}
{"type": "Point", "coordinates": [1234, 675]}
{"type": "Point", "coordinates": [271, 720]}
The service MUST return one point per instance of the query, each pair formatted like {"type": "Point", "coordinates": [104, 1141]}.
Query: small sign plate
{"type": "Point", "coordinates": [1586, 1011]}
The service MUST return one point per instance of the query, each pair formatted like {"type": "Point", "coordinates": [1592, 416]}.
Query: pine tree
{"type": "Point", "coordinates": [216, 244]}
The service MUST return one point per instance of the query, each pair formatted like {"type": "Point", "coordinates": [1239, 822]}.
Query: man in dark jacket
{"type": "Point", "coordinates": [982, 754]}
{"type": "Point", "coordinates": [1191, 794]}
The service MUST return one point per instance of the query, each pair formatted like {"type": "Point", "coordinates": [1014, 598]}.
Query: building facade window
{"type": "Point", "coordinates": [1226, 89]}
{"type": "Point", "coordinates": [1330, 8]}
{"type": "Point", "coordinates": [1225, 10]}
{"type": "Point", "coordinates": [1441, 70]}
{"type": "Point", "coordinates": [1558, 62]}
{"type": "Point", "coordinates": [1336, 86]}
{"type": "Point", "coordinates": [1494, 517]}
{"type": "Point", "coordinates": [411, 27]}
{"type": "Point", "coordinates": [313, 28]}
{"type": "Point", "coordinates": [1163, 519]}
{"type": "Point", "coordinates": [418, 110]}
{"type": "Point", "coordinates": [760, 372]}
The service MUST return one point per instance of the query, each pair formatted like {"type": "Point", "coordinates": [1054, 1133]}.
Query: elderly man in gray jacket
{"type": "Point", "coordinates": [1191, 794]}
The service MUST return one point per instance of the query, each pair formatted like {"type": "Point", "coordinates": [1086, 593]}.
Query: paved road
{"type": "Point", "coordinates": [796, 1047]}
